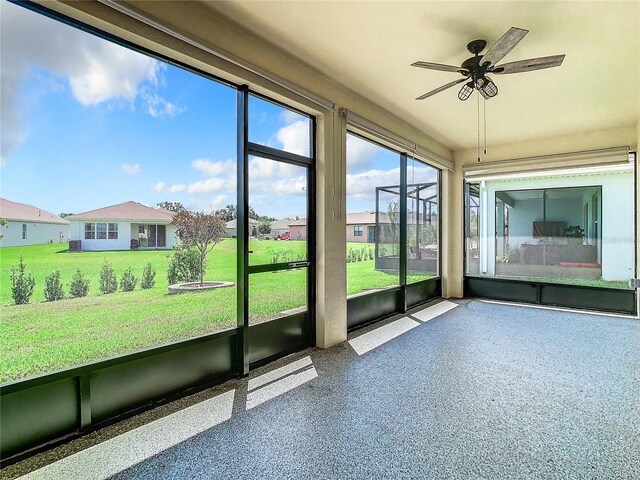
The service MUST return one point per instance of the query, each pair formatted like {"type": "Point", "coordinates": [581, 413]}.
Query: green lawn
{"type": "Point", "coordinates": [42, 336]}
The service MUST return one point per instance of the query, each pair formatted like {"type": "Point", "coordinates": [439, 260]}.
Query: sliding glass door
{"type": "Point", "coordinates": [275, 301]}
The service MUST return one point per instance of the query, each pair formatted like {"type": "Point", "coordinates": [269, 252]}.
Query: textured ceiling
{"type": "Point", "coordinates": [368, 46]}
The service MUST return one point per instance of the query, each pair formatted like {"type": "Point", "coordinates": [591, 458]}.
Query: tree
{"type": "Point", "coordinates": [253, 215]}
{"type": "Point", "coordinates": [202, 231]}
{"type": "Point", "coordinates": [65, 214]}
{"type": "Point", "coordinates": [108, 280]}
{"type": "Point", "coordinates": [79, 285]}
{"type": "Point", "coordinates": [53, 288]}
{"type": "Point", "coordinates": [393, 209]}
{"type": "Point", "coordinates": [230, 212]}
{"type": "Point", "coordinates": [227, 213]}
{"type": "Point", "coordinates": [22, 283]}
{"type": "Point", "coordinates": [171, 206]}
{"type": "Point", "coordinates": [264, 227]}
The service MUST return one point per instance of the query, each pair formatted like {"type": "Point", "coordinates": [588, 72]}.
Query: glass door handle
{"type": "Point", "coordinates": [297, 264]}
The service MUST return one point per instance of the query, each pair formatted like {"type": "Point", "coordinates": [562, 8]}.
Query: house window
{"type": "Point", "coordinates": [89, 231]}
{"type": "Point", "coordinates": [357, 231]}
{"type": "Point", "coordinates": [112, 231]}
{"type": "Point", "coordinates": [24, 231]}
{"type": "Point", "coordinates": [101, 231]}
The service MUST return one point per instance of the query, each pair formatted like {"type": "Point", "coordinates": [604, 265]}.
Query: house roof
{"type": "Point", "coordinates": [296, 223]}
{"type": "Point", "coordinates": [280, 224]}
{"type": "Point", "coordinates": [356, 218]}
{"type": "Point", "coordinates": [234, 223]}
{"type": "Point", "coordinates": [21, 211]}
{"type": "Point", "coordinates": [366, 218]}
{"type": "Point", "coordinates": [127, 211]}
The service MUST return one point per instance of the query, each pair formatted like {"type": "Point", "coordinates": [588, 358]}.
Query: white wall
{"type": "Point", "coordinates": [37, 233]}
{"type": "Point", "coordinates": [124, 236]}
{"type": "Point", "coordinates": [617, 217]}
{"type": "Point", "coordinates": [122, 243]}
{"type": "Point", "coordinates": [172, 238]}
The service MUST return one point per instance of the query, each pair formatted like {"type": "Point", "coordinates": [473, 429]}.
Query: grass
{"type": "Point", "coordinates": [45, 336]}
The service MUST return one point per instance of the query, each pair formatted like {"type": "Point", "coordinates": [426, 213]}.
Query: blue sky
{"type": "Point", "coordinates": [87, 123]}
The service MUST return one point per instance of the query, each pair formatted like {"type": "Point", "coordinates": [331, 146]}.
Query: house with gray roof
{"type": "Point", "coordinates": [128, 225]}
{"type": "Point", "coordinates": [30, 225]}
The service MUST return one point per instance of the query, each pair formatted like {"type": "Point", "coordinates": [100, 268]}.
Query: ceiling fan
{"type": "Point", "coordinates": [475, 69]}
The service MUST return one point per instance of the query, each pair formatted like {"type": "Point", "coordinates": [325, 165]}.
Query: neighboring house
{"type": "Point", "coordinates": [531, 216]}
{"type": "Point", "coordinates": [125, 226]}
{"type": "Point", "coordinates": [29, 225]}
{"type": "Point", "coordinates": [298, 229]}
{"type": "Point", "coordinates": [361, 227]}
{"type": "Point", "coordinates": [279, 227]}
{"type": "Point", "coordinates": [232, 227]}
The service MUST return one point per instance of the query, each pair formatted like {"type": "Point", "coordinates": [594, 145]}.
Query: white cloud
{"type": "Point", "coordinates": [209, 204]}
{"type": "Point", "coordinates": [362, 186]}
{"type": "Point", "coordinates": [212, 185]}
{"type": "Point", "coordinates": [219, 176]}
{"type": "Point", "coordinates": [131, 168]}
{"type": "Point", "coordinates": [163, 187]}
{"type": "Point", "coordinates": [262, 168]}
{"type": "Point", "coordinates": [289, 116]}
{"type": "Point", "coordinates": [210, 169]}
{"type": "Point", "coordinates": [106, 71]}
{"type": "Point", "coordinates": [295, 137]}
{"type": "Point", "coordinates": [96, 70]}
{"type": "Point", "coordinates": [359, 153]}
{"type": "Point", "coordinates": [158, 106]}
{"type": "Point", "coordinates": [218, 201]}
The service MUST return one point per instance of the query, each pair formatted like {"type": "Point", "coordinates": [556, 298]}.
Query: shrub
{"type": "Point", "coordinates": [22, 283]}
{"type": "Point", "coordinates": [128, 281]}
{"type": "Point", "coordinates": [511, 254]}
{"type": "Point", "coordinates": [184, 266]}
{"type": "Point", "coordinates": [108, 280]}
{"type": "Point", "coordinates": [148, 277]}
{"type": "Point", "coordinates": [53, 287]}
{"type": "Point", "coordinates": [79, 285]}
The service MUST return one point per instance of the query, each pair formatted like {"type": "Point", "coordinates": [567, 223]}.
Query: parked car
{"type": "Point", "coordinates": [284, 236]}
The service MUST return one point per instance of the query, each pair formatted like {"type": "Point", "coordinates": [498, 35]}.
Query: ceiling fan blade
{"type": "Point", "coordinates": [504, 45]}
{"type": "Point", "coordinates": [439, 66]}
{"type": "Point", "coordinates": [529, 65]}
{"type": "Point", "coordinates": [442, 88]}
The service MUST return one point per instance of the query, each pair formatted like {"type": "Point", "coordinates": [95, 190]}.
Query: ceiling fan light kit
{"type": "Point", "coordinates": [466, 91]}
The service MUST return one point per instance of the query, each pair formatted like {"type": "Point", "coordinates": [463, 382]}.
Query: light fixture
{"type": "Point", "coordinates": [489, 88]}
{"type": "Point", "coordinates": [466, 91]}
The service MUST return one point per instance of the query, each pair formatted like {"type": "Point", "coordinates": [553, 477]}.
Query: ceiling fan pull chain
{"type": "Point", "coordinates": [484, 110]}
{"type": "Point", "coordinates": [478, 151]}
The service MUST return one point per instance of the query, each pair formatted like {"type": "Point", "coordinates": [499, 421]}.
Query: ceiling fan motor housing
{"type": "Point", "coordinates": [476, 46]}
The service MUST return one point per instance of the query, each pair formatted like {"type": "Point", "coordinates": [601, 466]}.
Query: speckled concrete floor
{"type": "Point", "coordinates": [481, 391]}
